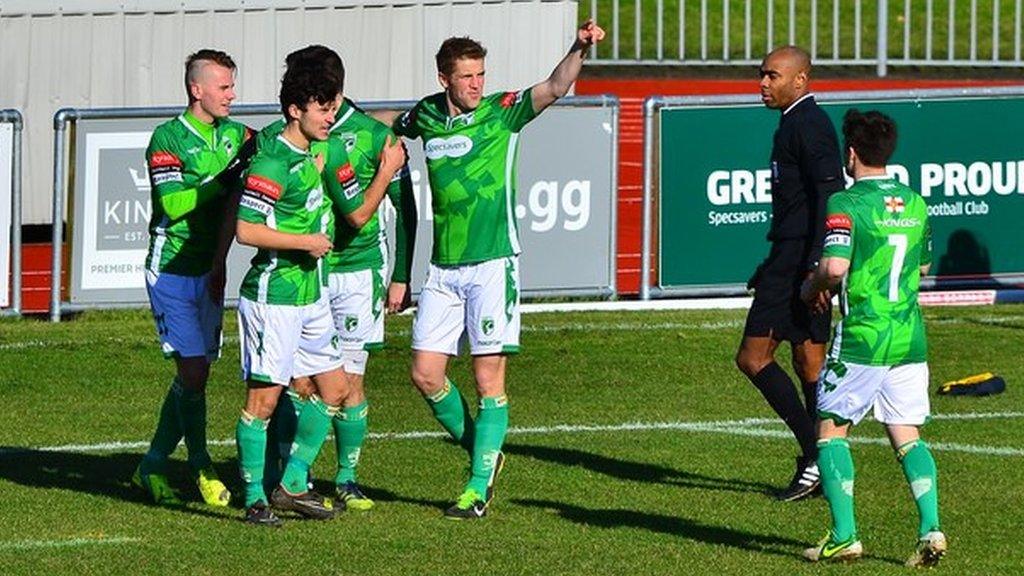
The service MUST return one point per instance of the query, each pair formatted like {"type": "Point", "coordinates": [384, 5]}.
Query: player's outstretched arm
{"type": "Point", "coordinates": [562, 77]}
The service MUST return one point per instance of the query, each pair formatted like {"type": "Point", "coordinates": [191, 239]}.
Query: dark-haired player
{"type": "Point", "coordinates": [877, 246]}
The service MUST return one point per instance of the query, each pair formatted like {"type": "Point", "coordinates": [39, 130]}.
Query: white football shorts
{"type": "Point", "coordinates": [357, 305]}
{"type": "Point", "coordinates": [898, 394]}
{"type": "Point", "coordinates": [280, 342]}
{"type": "Point", "coordinates": [479, 301]}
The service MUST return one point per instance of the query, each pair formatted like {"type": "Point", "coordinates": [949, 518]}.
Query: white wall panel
{"type": "Point", "coordinates": [105, 53]}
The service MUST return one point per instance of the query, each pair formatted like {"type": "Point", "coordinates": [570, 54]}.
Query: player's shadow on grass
{"type": "Point", "coordinates": [636, 471]}
{"type": "Point", "coordinates": [671, 525]}
{"type": "Point", "coordinates": [682, 528]}
{"type": "Point", "coordinates": [107, 475]}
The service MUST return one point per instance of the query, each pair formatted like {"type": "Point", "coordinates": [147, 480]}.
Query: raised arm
{"type": "Point", "coordinates": [562, 77]}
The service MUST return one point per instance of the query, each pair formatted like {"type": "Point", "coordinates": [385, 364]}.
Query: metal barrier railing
{"type": "Point", "coordinates": [835, 32]}
{"type": "Point", "coordinates": [65, 117]}
{"type": "Point", "coordinates": [14, 118]}
{"type": "Point", "coordinates": [652, 180]}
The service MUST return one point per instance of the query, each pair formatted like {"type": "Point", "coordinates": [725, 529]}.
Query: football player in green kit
{"type": "Point", "coordinates": [195, 162]}
{"type": "Point", "coordinates": [470, 141]}
{"type": "Point", "coordinates": [356, 266]}
{"type": "Point", "coordinates": [287, 332]}
{"type": "Point", "coordinates": [877, 244]}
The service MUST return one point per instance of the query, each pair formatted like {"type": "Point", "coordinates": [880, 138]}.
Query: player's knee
{"type": "Point", "coordinates": [749, 364]}
{"type": "Point", "coordinates": [260, 405]}
{"type": "Point", "coordinates": [807, 371]}
{"type": "Point", "coordinates": [426, 382]}
{"type": "Point", "coordinates": [303, 386]}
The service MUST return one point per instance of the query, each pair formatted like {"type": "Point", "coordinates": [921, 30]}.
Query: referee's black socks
{"type": "Point", "coordinates": [778, 389]}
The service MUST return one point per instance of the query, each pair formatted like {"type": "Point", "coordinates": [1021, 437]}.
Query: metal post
{"type": "Point", "coordinates": [16, 255]}
{"type": "Point", "coordinates": [650, 104]}
{"type": "Point", "coordinates": [883, 37]}
{"type": "Point", "coordinates": [15, 118]}
{"type": "Point", "coordinates": [614, 260]}
{"type": "Point", "coordinates": [60, 120]}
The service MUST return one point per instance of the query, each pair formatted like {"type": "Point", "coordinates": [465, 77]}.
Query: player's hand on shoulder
{"type": "Point", "coordinates": [317, 245]}
{"type": "Point", "coordinates": [320, 160]}
{"type": "Point", "coordinates": [393, 155]}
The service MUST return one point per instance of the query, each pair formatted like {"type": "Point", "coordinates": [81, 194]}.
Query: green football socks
{"type": "Point", "coordinates": [281, 434]}
{"type": "Point", "coordinates": [919, 468]}
{"type": "Point", "coordinates": [451, 410]}
{"type": "Point", "coordinates": [350, 426]}
{"type": "Point", "coordinates": [166, 437]}
{"type": "Point", "coordinates": [491, 426]}
{"type": "Point", "coordinates": [192, 419]}
{"type": "Point", "coordinates": [310, 433]}
{"type": "Point", "coordinates": [251, 437]}
{"type": "Point", "coordinates": [835, 463]}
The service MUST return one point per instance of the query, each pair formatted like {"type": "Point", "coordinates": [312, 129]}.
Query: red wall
{"type": "Point", "coordinates": [631, 93]}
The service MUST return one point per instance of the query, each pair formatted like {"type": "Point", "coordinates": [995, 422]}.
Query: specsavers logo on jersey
{"type": "Point", "coordinates": [453, 147]}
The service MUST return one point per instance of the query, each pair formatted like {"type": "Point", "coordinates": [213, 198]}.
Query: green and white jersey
{"type": "Point", "coordinates": [183, 156]}
{"type": "Point", "coordinates": [471, 162]}
{"type": "Point", "coordinates": [881, 227]}
{"type": "Point", "coordinates": [283, 191]}
{"type": "Point", "coordinates": [359, 139]}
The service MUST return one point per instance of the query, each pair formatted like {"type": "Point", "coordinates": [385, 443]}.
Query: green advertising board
{"type": "Point", "coordinates": [965, 155]}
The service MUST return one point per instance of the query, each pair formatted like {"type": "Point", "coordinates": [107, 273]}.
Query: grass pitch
{"type": "Point", "coordinates": [637, 448]}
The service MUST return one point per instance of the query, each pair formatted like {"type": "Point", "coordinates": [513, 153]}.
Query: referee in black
{"type": "Point", "coordinates": [806, 169]}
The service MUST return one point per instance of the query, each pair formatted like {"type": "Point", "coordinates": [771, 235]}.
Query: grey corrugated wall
{"type": "Point", "coordinates": [95, 53]}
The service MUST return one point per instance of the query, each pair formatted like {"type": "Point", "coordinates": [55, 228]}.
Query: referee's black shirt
{"type": "Point", "coordinates": [806, 170]}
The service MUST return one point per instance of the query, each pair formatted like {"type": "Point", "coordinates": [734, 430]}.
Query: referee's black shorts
{"type": "Point", "coordinates": [777, 310]}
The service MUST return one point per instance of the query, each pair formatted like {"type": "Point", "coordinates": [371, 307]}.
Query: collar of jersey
{"type": "Point", "coordinates": [797, 103]}
{"type": "Point", "coordinates": [187, 118]}
{"type": "Point", "coordinates": [349, 110]}
{"type": "Point", "coordinates": [291, 146]}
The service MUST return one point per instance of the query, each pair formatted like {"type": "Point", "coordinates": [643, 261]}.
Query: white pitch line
{"type": "Point", "coordinates": [36, 544]}
{"type": "Point", "coordinates": [739, 427]}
